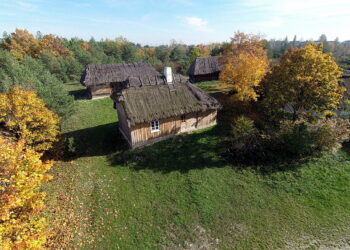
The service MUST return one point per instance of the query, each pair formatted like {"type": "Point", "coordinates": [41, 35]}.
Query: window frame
{"type": "Point", "coordinates": [155, 126]}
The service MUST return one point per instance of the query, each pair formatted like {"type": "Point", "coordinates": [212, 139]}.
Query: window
{"type": "Point", "coordinates": [183, 118]}
{"type": "Point", "coordinates": [155, 126]}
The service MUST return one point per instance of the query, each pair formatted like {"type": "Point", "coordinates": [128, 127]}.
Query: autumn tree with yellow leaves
{"type": "Point", "coordinates": [27, 129]}
{"type": "Point", "coordinates": [245, 64]}
{"type": "Point", "coordinates": [27, 118]}
{"type": "Point", "coordinates": [305, 79]}
{"type": "Point", "coordinates": [21, 174]}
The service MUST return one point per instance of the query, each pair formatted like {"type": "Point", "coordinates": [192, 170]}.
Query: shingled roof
{"type": "Point", "coordinates": [205, 65]}
{"type": "Point", "coordinates": [154, 99]}
{"type": "Point", "coordinates": [107, 73]}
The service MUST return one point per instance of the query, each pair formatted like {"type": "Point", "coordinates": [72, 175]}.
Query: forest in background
{"type": "Point", "coordinates": [42, 62]}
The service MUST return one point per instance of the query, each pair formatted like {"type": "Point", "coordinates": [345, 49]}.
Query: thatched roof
{"type": "Point", "coordinates": [205, 65]}
{"type": "Point", "coordinates": [107, 73]}
{"type": "Point", "coordinates": [156, 99]}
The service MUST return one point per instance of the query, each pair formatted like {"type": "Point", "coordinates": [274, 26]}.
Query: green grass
{"type": "Point", "coordinates": [209, 87]}
{"type": "Point", "coordinates": [182, 193]}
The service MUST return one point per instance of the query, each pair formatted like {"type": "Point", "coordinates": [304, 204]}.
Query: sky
{"type": "Point", "coordinates": [156, 22]}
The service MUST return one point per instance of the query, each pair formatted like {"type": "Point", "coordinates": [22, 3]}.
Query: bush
{"type": "Point", "coordinates": [331, 133]}
{"type": "Point", "coordinates": [247, 143]}
{"type": "Point", "coordinates": [291, 139]}
{"type": "Point", "coordinates": [297, 138]}
{"type": "Point", "coordinates": [301, 137]}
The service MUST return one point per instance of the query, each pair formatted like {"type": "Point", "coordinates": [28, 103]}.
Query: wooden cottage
{"type": "Point", "coordinates": [205, 69]}
{"type": "Point", "coordinates": [151, 109]}
{"type": "Point", "coordinates": [100, 79]}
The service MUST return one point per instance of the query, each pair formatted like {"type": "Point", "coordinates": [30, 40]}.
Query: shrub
{"type": "Point", "coordinates": [297, 138]}
{"type": "Point", "coordinates": [247, 143]}
{"type": "Point", "coordinates": [331, 133]}
{"type": "Point", "coordinates": [301, 138]}
{"type": "Point", "coordinates": [242, 128]}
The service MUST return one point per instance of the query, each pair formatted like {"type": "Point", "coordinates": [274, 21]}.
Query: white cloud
{"type": "Point", "coordinates": [22, 5]}
{"type": "Point", "coordinates": [308, 18]}
{"type": "Point", "coordinates": [198, 24]}
{"type": "Point", "coordinates": [307, 8]}
{"type": "Point", "coordinates": [31, 4]}
{"type": "Point", "coordinates": [271, 23]}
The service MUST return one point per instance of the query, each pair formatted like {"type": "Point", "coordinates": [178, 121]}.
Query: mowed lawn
{"type": "Point", "coordinates": [183, 193]}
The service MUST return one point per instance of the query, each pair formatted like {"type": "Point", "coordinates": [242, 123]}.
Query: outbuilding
{"type": "Point", "coordinates": [100, 79]}
{"type": "Point", "coordinates": [205, 69]}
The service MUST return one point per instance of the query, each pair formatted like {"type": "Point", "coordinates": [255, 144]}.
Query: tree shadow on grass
{"type": "Point", "coordinates": [96, 141]}
{"type": "Point", "coordinates": [182, 153]}
{"type": "Point", "coordinates": [80, 94]}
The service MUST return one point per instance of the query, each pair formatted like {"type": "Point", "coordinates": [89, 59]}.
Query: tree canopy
{"type": "Point", "coordinates": [245, 64]}
{"type": "Point", "coordinates": [21, 174]}
{"type": "Point", "coordinates": [27, 118]}
{"type": "Point", "coordinates": [305, 79]}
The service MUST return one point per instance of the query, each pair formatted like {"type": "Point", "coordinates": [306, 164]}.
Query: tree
{"type": "Point", "coordinates": [204, 50]}
{"type": "Point", "coordinates": [216, 51]}
{"type": "Point", "coordinates": [163, 54]}
{"type": "Point", "coordinates": [111, 48]}
{"type": "Point", "coordinates": [252, 44]}
{"type": "Point", "coordinates": [194, 54]}
{"type": "Point", "coordinates": [21, 43]}
{"type": "Point", "coordinates": [175, 54]}
{"type": "Point", "coordinates": [285, 46]}
{"type": "Point", "coordinates": [54, 45]}
{"type": "Point", "coordinates": [85, 46]}
{"type": "Point", "coordinates": [306, 79]}
{"type": "Point", "coordinates": [268, 49]}
{"type": "Point", "coordinates": [27, 118]}
{"type": "Point", "coordinates": [128, 52]}
{"type": "Point", "coordinates": [31, 74]}
{"type": "Point", "coordinates": [294, 43]}
{"type": "Point", "coordinates": [245, 64]}
{"type": "Point", "coordinates": [326, 46]}
{"type": "Point", "coordinates": [21, 175]}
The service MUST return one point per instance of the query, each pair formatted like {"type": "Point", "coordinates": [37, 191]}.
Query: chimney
{"type": "Point", "coordinates": [168, 75]}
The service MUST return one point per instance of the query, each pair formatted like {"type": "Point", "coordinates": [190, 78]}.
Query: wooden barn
{"type": "Point", "coordinates": [205, 69]}
{"type": "Point", "coordinates": [151, 109]}
{"type": "Point", "coordinates": [100, 79]}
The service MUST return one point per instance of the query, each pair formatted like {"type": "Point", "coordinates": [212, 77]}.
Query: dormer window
{"type": "Point", "coordinates": [155, 126]}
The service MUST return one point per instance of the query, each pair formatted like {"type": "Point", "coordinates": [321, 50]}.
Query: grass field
{"type": "Point", "coordinates": [182, 193]}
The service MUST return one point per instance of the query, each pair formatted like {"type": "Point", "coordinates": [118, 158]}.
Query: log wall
{"type": "Point", "coordinates": [207, 77]}
{"type": "Point", "coordinates": [99, 91]}
{"type": "Point", "coordinates": [141, 133]}
{"type": "Point", "coordinates": [123, 122]}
